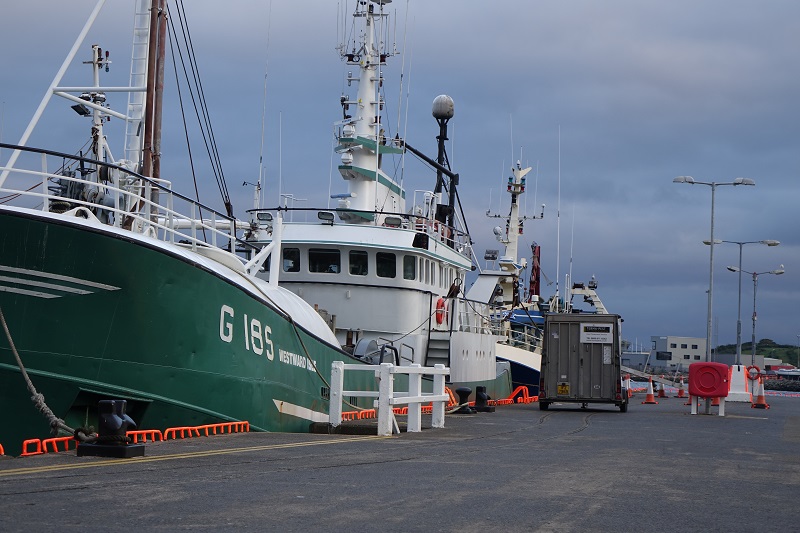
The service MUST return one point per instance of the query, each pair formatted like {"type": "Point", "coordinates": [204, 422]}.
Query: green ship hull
{"type": "Point", "coordinates": [96, 314]}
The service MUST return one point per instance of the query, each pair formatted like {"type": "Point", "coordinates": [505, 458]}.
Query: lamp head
{"type": "Point", "coordinates": [683, 179]}
{"type": "Point", "coordinates": [743, 181]}
{"type": "Point", "coordinates": [779, 271]}
{"type": "Point", "coordinates": [708, 242]}
{"type": "Point", "coordinates": [770, 242]}
{"type": "Point", "coordinates": [733, 269]}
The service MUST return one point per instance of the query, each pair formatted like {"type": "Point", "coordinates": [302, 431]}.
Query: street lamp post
{"type": "Point", "coordinates": [755, 275]}
{"type": "Point", "coordinates": [768, 242]}
{"type": "Point", "coordinates": [691, 181]}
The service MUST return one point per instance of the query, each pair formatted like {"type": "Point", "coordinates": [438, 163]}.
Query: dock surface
{"type": "Point", "coordinates": [654, 468]}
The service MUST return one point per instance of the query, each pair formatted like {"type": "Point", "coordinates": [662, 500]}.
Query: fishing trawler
{"type": "Point", "coordinates": [115, 286]}
{"type": "Point", "coordinates": [387, 272]}
{"type": "Point", "coordinates": [516, 311]}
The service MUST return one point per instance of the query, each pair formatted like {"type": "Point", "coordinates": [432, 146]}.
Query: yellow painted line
{"type": "Point", "coordinates": [174, 456]}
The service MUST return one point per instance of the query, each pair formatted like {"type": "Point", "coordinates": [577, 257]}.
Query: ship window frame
{"type": "Point", "coordinates": [295, 253]}
{"type": "Point", "coordinates": [359, 266]}
{"type": "Point", "coordinates": [409, 267]}
{"type": "Point", "coordinates": [324, 260]}
{"type": "Point", "coordinates": [384, 267]}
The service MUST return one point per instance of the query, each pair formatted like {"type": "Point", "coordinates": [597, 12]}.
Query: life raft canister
{"type": "Point", "coordinates": [441, 311]}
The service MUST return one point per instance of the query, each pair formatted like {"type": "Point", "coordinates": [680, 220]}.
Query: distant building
{"type": "Point", "coordinates": [676, 353]}
{"type": "Point", "coordinates": [671, 354]}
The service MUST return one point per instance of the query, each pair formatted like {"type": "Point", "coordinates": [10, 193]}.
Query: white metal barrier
{"type": "Point", "coordinates": [387, 397]}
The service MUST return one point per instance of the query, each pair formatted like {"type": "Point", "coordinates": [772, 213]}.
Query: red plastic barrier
{"type": "Point", "coordinates": [25, 444]}
{"type": "Point", "coordinates": [55, 442]}
{"type": "Point", "coordinates": [183, 432]}
{"type": "Point", "coordinates": [154, 434]}
{"type": "Point", "coordinates": [708, 380]}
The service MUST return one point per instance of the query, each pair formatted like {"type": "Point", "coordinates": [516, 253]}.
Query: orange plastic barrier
{"type": "Point", "coordinates": [367, 413]}
{"type": "Point", "coordinates": [207, 429]}
{"type": "Point", "coordinates": [350, 415]}
{"type": "Point", "coordinates": [521, 395]}
{"type": "Point", "coordinates": [154, 434]}
{"type": "Point", "coordinates": [184, 431]}
{"type": "Point", "coordinates": [25, 444]}
{"type": "Point", "coordinates": [225, 427]}
{"type": "Point", "coordinates": [505, 401]}
{"type": "Point", "coordinates": [55, 441]}
{"type": "Point", "coordinates": [452, 402]}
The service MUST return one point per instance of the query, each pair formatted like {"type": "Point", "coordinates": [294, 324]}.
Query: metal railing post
{"type": "Point", "coordinates": [415, 409]}
{"type": "Point", "coordinates": [337, 385]}
{"type": "Point", "coordinates": [438, 407]}
{"type": "Point", "coordinates": [386, 391]}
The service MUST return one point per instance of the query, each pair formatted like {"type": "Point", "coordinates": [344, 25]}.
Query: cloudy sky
{"type": "Point", "coordinates": [641, 92]}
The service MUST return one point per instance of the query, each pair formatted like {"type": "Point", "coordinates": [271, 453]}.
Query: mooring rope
{"type": "Point", "coordinates": [56, 423]}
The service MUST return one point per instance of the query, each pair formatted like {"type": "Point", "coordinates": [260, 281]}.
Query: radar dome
{"type": "Point", "coordinates": [443, 107]}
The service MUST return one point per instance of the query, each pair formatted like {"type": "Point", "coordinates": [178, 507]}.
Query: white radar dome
{"type": "Point", "coordinates": [443, 107]}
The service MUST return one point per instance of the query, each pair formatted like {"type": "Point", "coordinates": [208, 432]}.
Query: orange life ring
{"type": "Point", "coordinates": [441, 311]}
{"type": "Point", "coordinates": [750, 374]}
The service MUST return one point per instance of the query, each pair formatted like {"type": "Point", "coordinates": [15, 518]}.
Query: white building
{"type": "Point", "coordinates": [676, 353]}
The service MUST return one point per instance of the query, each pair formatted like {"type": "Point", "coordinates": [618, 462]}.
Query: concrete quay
{"type": "Point", "coordinates": [655, 468]}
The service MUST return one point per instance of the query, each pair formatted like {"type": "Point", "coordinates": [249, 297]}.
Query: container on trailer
{"type": "Point", "coordinates": [581, 360]}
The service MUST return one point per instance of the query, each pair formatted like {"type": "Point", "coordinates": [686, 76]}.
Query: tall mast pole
{"type": "Point", "coordinates": [152, 129]}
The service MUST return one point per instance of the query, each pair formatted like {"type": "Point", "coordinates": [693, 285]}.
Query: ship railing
{"type": "Point", "coordinates": [519, 335]}
{"type": "Point", "coordinates": [472, 316]}
{"type": "Point", "coordinates": [122, 198]}
{"type": "Point", "coordinates": [387, 397]}
{"type": "Point", "coordinates": [452, 237]}
{"type": "Point", "coordinates": [405, 351]}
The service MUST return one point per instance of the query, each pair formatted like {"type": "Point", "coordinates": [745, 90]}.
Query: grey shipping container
{"type": "Point", "coordinates": [581, 360]}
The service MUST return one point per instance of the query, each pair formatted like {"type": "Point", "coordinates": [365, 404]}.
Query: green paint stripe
{"type": "Point", "coordinates": [369, 143]}
{"type": "Point", "coordinates": [382, 179]}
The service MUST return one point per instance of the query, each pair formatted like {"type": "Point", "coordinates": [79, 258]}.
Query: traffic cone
{"type": "Point", "coordinates": [650, 398]}
{"type": "Point", "coordinates": [661, 392]}
{"type": "Point", "coordinates": [761, 402]}
{"type": "Point", "coordinates": [681, 390]}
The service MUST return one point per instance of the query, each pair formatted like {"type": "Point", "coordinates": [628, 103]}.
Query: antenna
{"type": "Point", "coordinates": [400, 91]}
{"type": "Point", "coordinates": [263, 115]}
{"type": "Point", "coordinates": [558, 218]}
{"type": "Point", "coordinates": [571, 243]}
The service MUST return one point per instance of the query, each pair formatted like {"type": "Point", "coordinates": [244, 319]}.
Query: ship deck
{"type": "Point", "coordinates": [653, 468]}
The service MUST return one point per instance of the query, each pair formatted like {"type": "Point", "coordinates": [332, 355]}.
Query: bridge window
{"type": "Point", "coordinates": [324, 260]}
{"type": "Point", "coordinates": [291, 259]}
{"type": "Point", "coordinates": [409, 267]}
{"type": "Point", "coordinates": [358, 262]}
{"type": "Point", "coordinates": [386, 265]}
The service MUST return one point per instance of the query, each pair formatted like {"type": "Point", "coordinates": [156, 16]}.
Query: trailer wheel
{"type": "Point", "coordinates": [543, 406]}
{"type": "Point", "coordinates": [623, 407]}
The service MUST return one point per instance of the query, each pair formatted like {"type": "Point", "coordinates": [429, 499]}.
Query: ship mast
{"type": "Point", "coordinates": [151, 154]}
{"type": "Point", "coordinates": [509, 261]}
{"type": "Point", "coordinates": [362, 140]}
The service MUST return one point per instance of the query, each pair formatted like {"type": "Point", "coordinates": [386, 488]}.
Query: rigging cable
{"type": "Point", "coordinates": [173, 47]}
{"type": "Point", "coordinates": [205, 121]}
